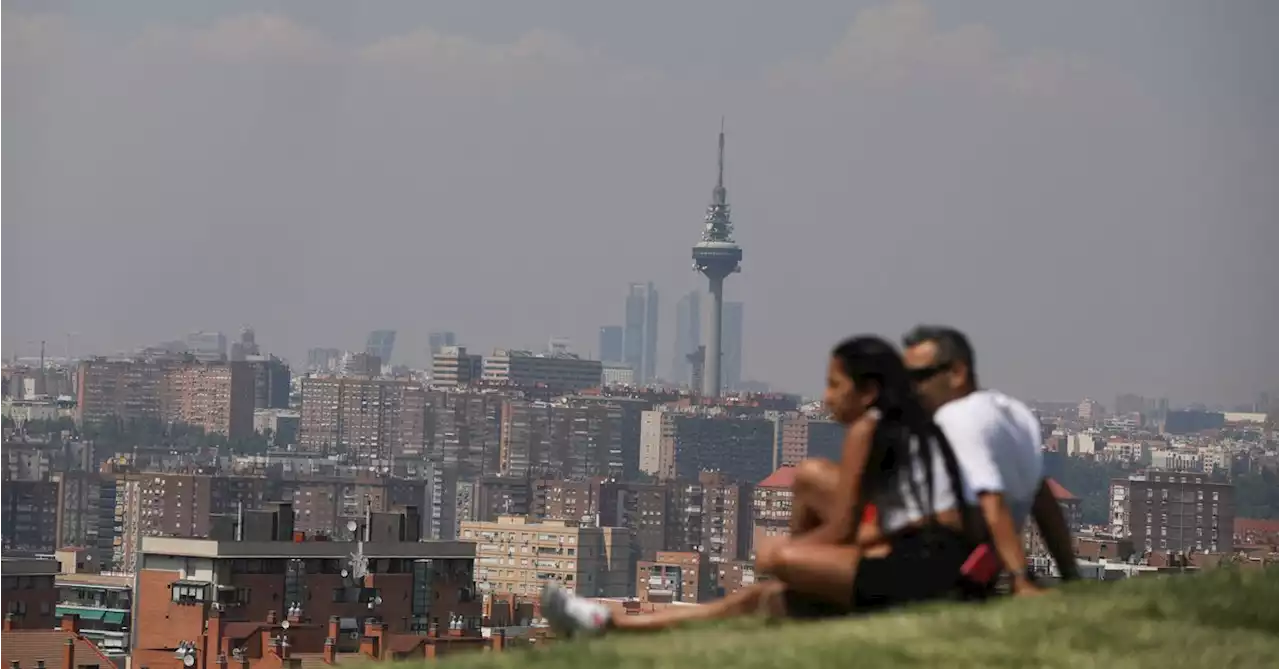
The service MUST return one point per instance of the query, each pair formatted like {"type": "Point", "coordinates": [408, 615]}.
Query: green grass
{"type": "Point", "coordinates": [1223, 618]}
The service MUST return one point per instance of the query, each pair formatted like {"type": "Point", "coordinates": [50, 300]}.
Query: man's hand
{"type": "Point", "coordinates": [1024, 586]}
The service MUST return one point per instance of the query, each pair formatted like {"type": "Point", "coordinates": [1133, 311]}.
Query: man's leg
{"type": "Point", "coordinates": [576, 614]}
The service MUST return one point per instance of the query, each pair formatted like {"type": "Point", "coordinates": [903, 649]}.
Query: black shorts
{"type": "Point", "coordinates": [923, 565]}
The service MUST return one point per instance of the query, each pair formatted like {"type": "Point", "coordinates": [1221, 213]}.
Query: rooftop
{"type": "Point", "coordinates": [784, 477]}
{"type": "Point", "coordinates": [1218, 618]}
{"type": "Point", "coordinates": [122, 581]}
{"type": "Point", "coordinates": [210, 548]}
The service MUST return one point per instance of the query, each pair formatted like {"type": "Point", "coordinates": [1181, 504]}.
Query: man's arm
{"type": "Point", "coordinates": [971, 440]}
{"type": "Point", "coordinates": [1057, 536]}
{"type": "Point", "coordinates": [1004, 534]}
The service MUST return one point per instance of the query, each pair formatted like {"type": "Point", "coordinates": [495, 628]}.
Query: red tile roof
{"type": "Point", "coordinates": [783, 478]}
{"type": "Point", "coordinates": [1058, 491]}
{"type": "Point", "coordinates": [27, 647]}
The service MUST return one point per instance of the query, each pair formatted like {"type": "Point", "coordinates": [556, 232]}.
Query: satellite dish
{"type": "Point", "coordinates": [284, 625]}
{"type": "Point", "coordinates": [188, 660]}
{"type": "Point", "coordinates": [345, 573]}
{"type": "Point", "coordinates": [351, 525]}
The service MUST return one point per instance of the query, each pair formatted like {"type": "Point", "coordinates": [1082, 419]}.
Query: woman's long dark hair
{"type": "Point", "coordinates": [903, 421]}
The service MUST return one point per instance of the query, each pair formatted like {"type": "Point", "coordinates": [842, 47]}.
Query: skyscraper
{"type": "Point", "coordinates": [438, 340]}
{"type": "Point", "coordinates": [716, 256]}
{"type": "Point", "coordinates": [688, 336]}
{"type": "Point", "coordinates": [380, 344]}
{"type": "Point", "coordinates": [611, 343]}
{"type": "Point", "coordinates": [640, 333]}
{"type": "Point", "coordinates": [731, 347]}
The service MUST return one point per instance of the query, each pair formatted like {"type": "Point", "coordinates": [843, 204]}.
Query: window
{"type": "Point", "coordinates": [188, 593]}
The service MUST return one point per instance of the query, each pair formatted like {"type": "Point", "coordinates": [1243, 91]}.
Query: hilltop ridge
{"type": "Point", "coordinates": [1222, 618]}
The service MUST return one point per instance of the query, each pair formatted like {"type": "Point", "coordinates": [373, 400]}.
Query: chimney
{"type": "Point", "coordinates": [335, 627]}
{"type": "Point", "coordinates": [330, 651]}
{"type": "Point", "coordinates": [371, 643]}
{"type": "Point", "coordinates": [71, 623]}
{"type": "Point", "coordinates": [433, 630]}
{"type": "Point", "coordinates": [497, 640]}
{"type": "Point", "coordinates": [68, 653]}
{"type": "Point", "coordinates": [272, 617]}
{"type": "Point", "coordinates": [8, 622]}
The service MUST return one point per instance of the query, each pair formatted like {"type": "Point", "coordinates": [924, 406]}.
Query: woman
{"type": "Point", "coordinates": [893, 457]}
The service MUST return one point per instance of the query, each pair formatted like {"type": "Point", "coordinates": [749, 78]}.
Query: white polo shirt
{"type": "Point", "coordinates": [996, 440]}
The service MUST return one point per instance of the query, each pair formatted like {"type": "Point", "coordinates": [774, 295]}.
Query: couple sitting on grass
{"type": "Point", "coordinates": [927, 502]}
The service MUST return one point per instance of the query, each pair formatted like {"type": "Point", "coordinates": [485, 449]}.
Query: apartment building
{"type": "Point", "coordinates": [1070, 505]}
{"type": "Point", "coordinates": [561, 440]}
{"type": "Point", "coordinates": [86, 515]}
{"type": "Point", "coordinates": [1173, 511]}
{"type": "Point", "coordinates": [454, 367]}
{"type": "Point", "coordinates": [682, 444]}
{"type": "Point", "coordinates": [218, 397]}
{"type": "Point", "coordinates": [800, 436]}
{"type": "Point", "coordinates": [518, 556]}
{"type": "Point", "coordinates": [366, 419]}
{"type": "Point", "coordinates": [29, 516]}
{"type": "Point", "coordinates": [271, 595]}
{"type": "Point", "coordinates": [673, 576]}
{"type": "Point", "coordinates": [29, 592]}
{"type": "Point", "coordinates": [771, 507]}
{"type": "Point", "coordinates": [711, 516]}
{"type": "Point", "coordinates": [128, 390]}
{"type": "Point", "coordinates": [464, 436]}
{"type": "Point", "coordinates": [562, 371]}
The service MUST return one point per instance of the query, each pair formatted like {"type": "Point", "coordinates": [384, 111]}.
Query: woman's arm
{"type": "Point", "coordinates": [839, 525]}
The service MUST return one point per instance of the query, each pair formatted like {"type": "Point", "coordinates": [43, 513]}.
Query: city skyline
{"type": "Point", "coordinates": [1009, 170]}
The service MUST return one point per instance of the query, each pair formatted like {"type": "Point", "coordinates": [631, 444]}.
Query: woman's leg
{"type": "Point", "coordinates": [824, 572]}
{"type": "Point", "coordinates": [814, 486]}
{"type": "Point", "coordinates": [571, 613]}
{"type": "Point", "coordinates": [816, 479]}
{"type": "Point", "coordinates": [759, 599]}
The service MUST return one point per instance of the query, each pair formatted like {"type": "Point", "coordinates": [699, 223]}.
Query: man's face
{"type": "Point", "coordinates": [936, 383]}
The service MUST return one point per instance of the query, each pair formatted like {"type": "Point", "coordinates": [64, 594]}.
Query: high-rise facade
{"type": "Point", "coordinates": [364, 418]}
{"type": "Point", "coordinates": [731, 347]}
{"type": "Point", "coordinates": [688, 337]}
{"type": "Point", "coordinates": [640, 333]}
{"type": "Point", "coordinates": [380, 343]}
{"type": "Point", "coordinates": [218, 397]}
{"type": "Point", "coordinates": [611, 343]}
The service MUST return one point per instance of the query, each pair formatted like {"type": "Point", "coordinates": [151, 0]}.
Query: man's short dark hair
{"type": "Point", "coordinates": [953, 346]}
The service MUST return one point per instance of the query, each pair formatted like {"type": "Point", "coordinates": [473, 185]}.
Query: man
{"type": "Point", "coordinates": [996, 440]}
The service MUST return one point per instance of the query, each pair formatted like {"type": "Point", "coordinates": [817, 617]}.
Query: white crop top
{"type": "Point", "coordinates": [898, 504]}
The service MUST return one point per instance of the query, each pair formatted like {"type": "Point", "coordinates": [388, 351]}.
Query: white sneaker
{"type": "Point", "coordinates": [571, 614]}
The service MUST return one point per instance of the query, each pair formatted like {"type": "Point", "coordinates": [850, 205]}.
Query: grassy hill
{"type": "Point", "coordinates": [1222, 618]}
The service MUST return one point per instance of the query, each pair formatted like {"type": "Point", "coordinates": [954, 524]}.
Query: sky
{"type": "Point", "coordinates": [1087, 188]}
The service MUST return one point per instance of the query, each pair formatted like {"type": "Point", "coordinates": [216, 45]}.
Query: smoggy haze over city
{"type": "Point", "coordinates": [1088, 188]}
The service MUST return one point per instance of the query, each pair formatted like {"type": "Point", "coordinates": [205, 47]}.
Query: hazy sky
{"type": "Point", "coordinates": [1089, 188]}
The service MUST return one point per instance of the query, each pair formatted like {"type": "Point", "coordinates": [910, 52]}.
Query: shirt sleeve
{"type": "Point", "coordinates": [970, 438]}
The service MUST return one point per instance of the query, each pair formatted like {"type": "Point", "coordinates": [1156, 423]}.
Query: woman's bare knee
{"type": "Point", "coordinates": [817, 475]}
